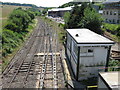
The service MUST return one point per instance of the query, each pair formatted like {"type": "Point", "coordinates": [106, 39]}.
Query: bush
{"type": "Point", "coordinates": [112, 64]}
{"type": "Point", "coordinates": [91, 20]}
{"type": "Point", "coordinates": [111, 27]}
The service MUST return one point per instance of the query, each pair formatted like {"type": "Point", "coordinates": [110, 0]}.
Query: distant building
{"type": "Point", "coordinates": [109, 81]}
{"type": "Point", "coordinates": [99, 0]}
{"type": "Point", "coordinates": [58, 12]}
{"type": "Point", "coordinates": [100, 12]}
{"type": "Point", "coordinates": [111, 12]}
{"type": "Point", "coordinates": [87, 52]}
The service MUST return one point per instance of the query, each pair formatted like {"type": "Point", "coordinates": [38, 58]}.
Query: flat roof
{"type": "Point", "coordinates": [61, 9]}
{"type": "Point", "coordinates": [86, 36]}
{"type": "Point", "coordinates": [111, 1]}
{"type": "Point", "coordinates": [111, 78]}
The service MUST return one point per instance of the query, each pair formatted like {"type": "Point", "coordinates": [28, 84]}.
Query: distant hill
{"type": "Point", "coordinates": [69, 4]}
{"type": "Point", "coordinates": [18, 4]}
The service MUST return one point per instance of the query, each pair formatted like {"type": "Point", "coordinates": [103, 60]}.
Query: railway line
{"type": "Point", "coordinates": [28, 70]}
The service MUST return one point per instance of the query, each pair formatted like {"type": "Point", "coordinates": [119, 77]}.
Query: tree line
{"type": "Point", "coordinates": [84, 16]}
{"type": "Point", "coordinates": [69, 4]}
{"type": "Point", "coordinates": [18, 4]}
{"type": "Point", "coordinates": [16, 29]}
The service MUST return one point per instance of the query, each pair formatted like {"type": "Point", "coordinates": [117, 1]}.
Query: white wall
{"type": "Point", "coordinates": [70, 55]}
{"type": "Point", "coordinates": [89, 65]}
{"type": "Point", "coordinates": [99, 56]}
{"type": "Point", "coordinates": [111, 17]}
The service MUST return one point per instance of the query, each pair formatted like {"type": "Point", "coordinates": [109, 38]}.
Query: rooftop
{"type": "Point", "coordinates": [111, 78]}
{"type": "Point", "coordinates": [60, 9]}
{"type": "Point", "coordinates": [111, 1]}
{"type": "Point", "coordinates": [86, 36]}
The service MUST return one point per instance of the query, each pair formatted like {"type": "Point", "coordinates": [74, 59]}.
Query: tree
{"type": "Point", "coordinates": [44, 11]}
{"type": "Point", "coordinates": [91, 20]}
{"type": "Point", "coordinates": [118, 32]}
{"type": "Point", "coordinates": [76, 16]}
{"type": "Point", "coordinates": [12, 26]}
{"type": "Point", "coordinates": [31, 15]}
{"type": "Point", "coordinates": [85, 16]}
{"type": "Point", "coordinates": [19, 20]}
{"type": "Point", "coordinates": [66, 17]}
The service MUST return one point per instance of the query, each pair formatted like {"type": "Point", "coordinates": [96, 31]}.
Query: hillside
{"type": "Point", "coordinates": [18, 26]}
{"type": "Point", "coordinates": [7, 8]}
{"type": "Point", "coordinates": [69, 4]}
{"type": "Point", "coordinates": [18, 4]}
{"type": "Point", "coordinates": [5, 11]}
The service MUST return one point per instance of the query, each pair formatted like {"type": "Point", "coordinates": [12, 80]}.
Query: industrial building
{"type": "Point", "coordinates": [58, 12]}
{"type": "Point", "coordinates": [87, 52]}
{"type": "Point", "coordinates": [109, 80]}
{"type": "Point", "coordinates": [111, 12]}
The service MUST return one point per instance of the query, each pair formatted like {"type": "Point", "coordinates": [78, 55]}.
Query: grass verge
{"type": "Point", "coordinates": [9, 57]}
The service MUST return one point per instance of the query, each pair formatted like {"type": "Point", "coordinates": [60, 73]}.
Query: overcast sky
{"type": "Point", "coordinates": [44, 3]}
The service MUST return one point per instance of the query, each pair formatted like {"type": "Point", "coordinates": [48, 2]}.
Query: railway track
{"type": "Point", "coordinates": [29, 71]}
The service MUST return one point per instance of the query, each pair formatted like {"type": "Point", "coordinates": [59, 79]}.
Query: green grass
{"type": "Point", "coordinates": [3, 22]}
{"type": "Point", "coordinates": [112, 27]}
{"type": "Point", "coordinates": [9, 56]}
{"type": "Point", "coordinates": [7, 9]}
{"type": "Point", "coordinates": [0, 24]}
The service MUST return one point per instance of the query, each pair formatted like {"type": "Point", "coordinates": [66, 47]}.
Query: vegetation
{"type": "Point", "coordinates": [69, 4]}
{"type": "Point", "coordinates": [75, 16]}
{"type": "Point", "coordinates": [113, 30]}
{"type": "Point", "coordinates": [114, 64]}
{"type": "Point", "coordinates": [100, 5]}
{"type": "Point", "coordinates": [7, 10]}
{"type": "Point", "coordinates": [66, 17]}
{"type": "Point", "coordinates": [91, 18]}
{"type": "Point", "coordinates": [19, 20]}
{"type": "Point", "coordinates": [118, 32]}
{"type": "Point", "coordinates": [15, 31]}
{"type": "Point", "coordinates": [44, 11]}
{"type": "Point", "coordinates": [36, 11]}
{"type": "Point", "coordinates": [84, 16]}
{"type": "Point", "coordinates": [110, 27]}
{"type": "Point", "coordinates": [18, 4]}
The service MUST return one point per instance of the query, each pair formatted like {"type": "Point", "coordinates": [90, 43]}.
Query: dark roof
{"type": "Point", "coordinates": [111, 1]}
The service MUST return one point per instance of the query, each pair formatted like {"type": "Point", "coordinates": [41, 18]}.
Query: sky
{"type": "Point", "coordinates": [44, 3]}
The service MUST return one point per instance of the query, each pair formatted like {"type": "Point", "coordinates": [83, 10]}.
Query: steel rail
{"type": "Point", "coordinates": [39, 49]}
{"type": "Point", "coordinates": [9, 67]}
{"type": "Point", "coordinates": [23, 59]}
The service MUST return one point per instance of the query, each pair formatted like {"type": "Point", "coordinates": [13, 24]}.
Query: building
{"type": "Point", "coordinates": [109, 81]}
{"type": "Point", "coordinates": [111, 12]}
{"type": "Point", "coordinates": [58, 12]}
{"type": "Point", "coordinates": [87, 52]}
{"type": "Point", "coordinates": [100, 12]}
{"type": "Point", "coordinates": [99, 1]}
